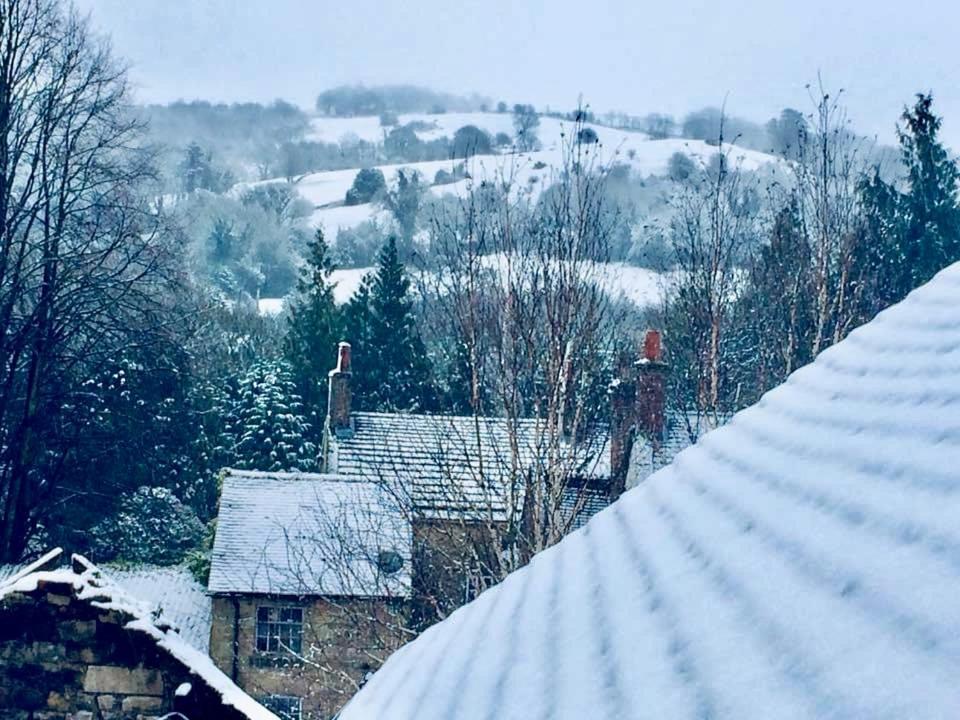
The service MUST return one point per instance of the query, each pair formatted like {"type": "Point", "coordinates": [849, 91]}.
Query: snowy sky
{"type": "Point", "coordinates": [632, 55]}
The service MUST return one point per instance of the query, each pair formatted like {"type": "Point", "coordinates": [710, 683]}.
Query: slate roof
{"type": "Point", "coordinates": [179, 598]}
{"type": "Point", "coordinates": [173, 593]}
{"type": "Point", "coordinates": [452, 465]}
{"type": "Point", "coordinates": [800, 562]}
{"type": "Point", "coordinates": [308, 534]}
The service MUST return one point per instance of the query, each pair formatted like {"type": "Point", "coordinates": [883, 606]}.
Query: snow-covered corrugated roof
{"type": "Point", "coordinates": [445, 466]}
{"type": "Point", "coordinates": [89, 584]}
{"type": "Point", "coordinates": [801, 562]}
{"type": "Point", "coordinates": [309, 534]}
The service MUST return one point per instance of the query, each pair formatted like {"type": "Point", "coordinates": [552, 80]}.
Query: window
{"type": "Point", "coordinates": [286, 707]}
{"type": "Point", "coordinates": [279, 629]}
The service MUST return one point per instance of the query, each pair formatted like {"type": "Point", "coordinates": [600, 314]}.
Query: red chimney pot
{"type": "Point", "coordinates": [651, 346]}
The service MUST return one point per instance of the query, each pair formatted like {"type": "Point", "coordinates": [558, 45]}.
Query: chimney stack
{"type": "Point", "coordinates": [339, 395]}
{"type": "Point", "coordinates": [637, 406]}
{"type": "Point", "coordinates": [651, 390]}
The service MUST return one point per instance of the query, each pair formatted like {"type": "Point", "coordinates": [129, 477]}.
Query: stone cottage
{"type": "Point", "coordinates": [316, 578]}
{"type": "Point", "coordinates": [73, 646]}
{"type": "Point", "coordinates": [311, 582]}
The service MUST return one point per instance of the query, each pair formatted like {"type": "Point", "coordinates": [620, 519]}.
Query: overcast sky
{"type": "Point", "coordinates": [632, 55]}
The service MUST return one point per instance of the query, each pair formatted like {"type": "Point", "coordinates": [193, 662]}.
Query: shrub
{"type": "Point", "coordinates": [368, 183]}
{"type": "Point", "coordinates": [471, 140]}
{"type": "Point", "coordinates": [152, 526]}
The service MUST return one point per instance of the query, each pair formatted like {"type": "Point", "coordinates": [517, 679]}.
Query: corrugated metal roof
{"type": "Point", "coordinates": [801, 562]}
{"type": "Point", "coordinates": [308, 534]}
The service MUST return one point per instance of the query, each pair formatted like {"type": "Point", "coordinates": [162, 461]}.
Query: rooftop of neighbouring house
{"type": "Point", "coordinates": [800, 562]}
{"type": "Point", "coordinates": [309, 534]}
{"type": "Point", "coordinates": [174, 594]}
{"type": "Point", "coordinates": [680, 431]}
{"type": "Point", "coordinates": [455, 465]}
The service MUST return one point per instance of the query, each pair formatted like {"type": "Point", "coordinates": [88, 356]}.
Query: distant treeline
{"type": "Point", "coordinates": [355, 100]}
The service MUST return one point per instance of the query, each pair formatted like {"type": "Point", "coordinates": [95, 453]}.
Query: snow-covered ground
{"type": "Point", "coordinates": [639, 285]}
{"type": "Point", "coordinates": [325, 191]}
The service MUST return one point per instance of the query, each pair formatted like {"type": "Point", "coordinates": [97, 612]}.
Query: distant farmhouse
{"type": "Point", "coordinates": [317, 578]}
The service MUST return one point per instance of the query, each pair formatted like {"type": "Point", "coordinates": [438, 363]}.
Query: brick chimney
{"type": "Point", "coordinates": [637, 406]}
{"type": "Point", "coordinates": [651, 389]}
{"type": "Point", "coordinates": [339, 395]}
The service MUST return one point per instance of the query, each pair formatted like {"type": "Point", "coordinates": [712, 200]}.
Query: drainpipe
{"type": "Point", "coordinates": [235, 664]}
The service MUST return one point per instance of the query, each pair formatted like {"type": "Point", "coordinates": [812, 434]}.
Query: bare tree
{"type": "Point", "coordinates": [831, 161]}
{"type": "Point", "coordinates": [81, 266]}
{"type": "Point", "coordinates": [714, 224]}
{"type": "Point", "coordinates": [522, 292]}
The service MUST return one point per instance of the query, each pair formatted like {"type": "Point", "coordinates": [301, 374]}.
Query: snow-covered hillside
{"type": "Point", "coordinates": [325, 191]}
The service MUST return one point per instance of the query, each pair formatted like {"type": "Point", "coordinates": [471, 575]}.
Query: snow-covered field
{"type": "Point", "coordinates": [325, 191]}
{"type": "Point", "coordinates": [641, 286]}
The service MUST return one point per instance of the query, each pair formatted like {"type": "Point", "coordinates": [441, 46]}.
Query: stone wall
{"type": "Point", "coordinates": [61, 658]}
{"type": "Point", "coordinates": [341, 646]}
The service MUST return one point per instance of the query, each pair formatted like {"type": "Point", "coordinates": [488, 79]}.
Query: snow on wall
{"type": "Point", "coordinates": [801, 562]}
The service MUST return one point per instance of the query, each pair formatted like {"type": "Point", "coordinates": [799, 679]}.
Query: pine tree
{"type": "Point", "coordinates": [932, 236]}
{"type": "Point", "coordinates": [266, 423]}
{"type": "Point", "coordinates": [399, 373]}
{"type": "Point", "coordinates": [356, 331]}
{"type": "Point", "coordinates": [314, 326]}
{"type": "Point", "coordinates": [913, 234]}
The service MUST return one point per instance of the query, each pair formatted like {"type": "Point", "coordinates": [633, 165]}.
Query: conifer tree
{"type": "Point", "coordinates": [396, 367]}
{"type": "Point", "coordinates": [267, 425]}
{"type": "Point", "coordinates": [356, 331]}
{"type": "Point", "coordinates": [931, 240]}
{"type": "Point", "coordinates": [914, 234]}
{"type": "Point", "coordinates": [314, 326]}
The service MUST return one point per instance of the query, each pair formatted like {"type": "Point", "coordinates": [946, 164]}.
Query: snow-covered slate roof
{"type": "Point", "coordinates": [801, 562]}
{"type": "Point", "coordinates": [176, 597]}
{"type": "Point", "coordinates": [309, 534]}
{"type": "Point", "coordinates": [179, 599]}
{"type": "Point", "coordinates": [444, 466]}
{"type": "Point", "coordinates": [91, 585]}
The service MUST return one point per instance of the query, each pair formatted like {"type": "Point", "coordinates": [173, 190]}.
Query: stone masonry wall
{"type": "Point", "coordinates": [63, 659]}
{"type": "Point", "coordinates": [340, 647]}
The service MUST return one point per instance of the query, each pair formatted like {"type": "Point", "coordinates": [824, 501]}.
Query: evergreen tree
{"type": "Point", "coordinates": [394, 363]}
{"type": "Point", "coordinates": [914, 234]}
{"type": "Point", "coordinates": [931, 240]}
{"type": "Point", "coordinates": [403, 202]}
{"type": "Point", "coordinates": [356, 330]}
{"type": "Point", "coordinates": [314, 326]}
{"type": "Point", "coordinates": [266, 423]}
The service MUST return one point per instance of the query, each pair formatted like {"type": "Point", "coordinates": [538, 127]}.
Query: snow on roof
{"type": "Point", "coordinates": [442, 465]}
{"type": "Point", "coordinates": [802, 561]}
{"type": "Point", "coordinates": [681, 430]}
{"type": "Point", "coordinates": [178, 598]}
{"type": "Point", "coordinates": [175, 596]}
{"type": "Point", "coordinates": [309, 534]}
{"type": "Point", "coordinates": [90, 584]}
